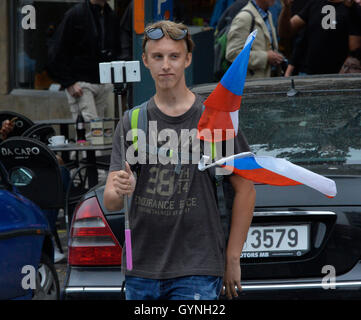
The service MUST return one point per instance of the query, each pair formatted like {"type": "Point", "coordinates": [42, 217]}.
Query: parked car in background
{"type": "Point", "coordinates": [26, 250]}
{"type": "Point", "coordinates": [301, 244]}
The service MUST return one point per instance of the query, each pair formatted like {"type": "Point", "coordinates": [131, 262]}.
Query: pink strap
{"type": "Point", "coordinates": [128, 248]}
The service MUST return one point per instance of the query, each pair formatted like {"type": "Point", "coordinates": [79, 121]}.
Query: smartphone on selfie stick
{"type": "Point", "coordinates": [119, 73]}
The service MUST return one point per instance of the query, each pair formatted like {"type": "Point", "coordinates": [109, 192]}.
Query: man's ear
{"type": "Point", "coordinates": [188, 59]}
{"type": "Point", "coordinates": [145, 61]}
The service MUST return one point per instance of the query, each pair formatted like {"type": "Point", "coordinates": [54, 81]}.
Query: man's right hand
{"type": "Point", "coordinates": [75, 90]}
{"type": "Point", "coordinates": [274, 58]}
{"type": "Point", "coordinates": [123, 181]}
{"type": "Point", "coordinates": [119, 183]}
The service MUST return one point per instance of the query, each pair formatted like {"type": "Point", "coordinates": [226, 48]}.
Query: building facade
{"type": "Point", "coordinates": [27, 25]}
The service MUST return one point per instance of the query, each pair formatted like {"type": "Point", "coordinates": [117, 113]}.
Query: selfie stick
{"type": "Point", "coordinates": [120, 73]}
{"type": "Point", "coordinates": [128, 238]}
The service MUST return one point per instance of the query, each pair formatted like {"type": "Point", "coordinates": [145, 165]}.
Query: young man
{"type": "Point", "coordinates": [177, 238]}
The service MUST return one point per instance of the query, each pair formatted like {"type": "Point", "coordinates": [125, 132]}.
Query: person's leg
{"type": "Point", "coordinates": [52, 216]}
{"type": "Point", "coordinates": [193, 288]}
{"type": "Point", "coordinates": [85, 103]}
{"type": "Point", "coordinates": [101, 98]}
{"type": "Point", "coordinates": [141, 288]}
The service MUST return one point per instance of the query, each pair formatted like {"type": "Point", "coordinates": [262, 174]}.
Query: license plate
{"type": "Point", "coordinates": [276, 241]}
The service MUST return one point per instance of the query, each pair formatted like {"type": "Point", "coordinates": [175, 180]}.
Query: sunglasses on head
{"type": "Point", "coordinates": [157, 33]}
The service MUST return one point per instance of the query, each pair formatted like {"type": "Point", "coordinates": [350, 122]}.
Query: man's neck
{"type": "Point", "coordinates": [262, 4]}
{"type": "Point", "coordinates": [174, 102]}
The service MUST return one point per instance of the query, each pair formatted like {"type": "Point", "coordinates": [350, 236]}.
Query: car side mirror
{"type": "Point", "coordinates": [20, 176]}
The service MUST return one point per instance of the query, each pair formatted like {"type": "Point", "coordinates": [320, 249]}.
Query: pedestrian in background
{"type": "Point", "coordinates": [326, 46]}
{"type": "Point", "coordinates": [89, 34]}
{"type": "Point", "coordinates": [264, 54]}
{"type": "Point", "coordinates": [355, 34]}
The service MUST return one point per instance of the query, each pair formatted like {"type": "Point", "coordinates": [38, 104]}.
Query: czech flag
{"type": "Point", "coordinates": [222, 105]}
{"type": "Point", "coordinates": [272, 171]}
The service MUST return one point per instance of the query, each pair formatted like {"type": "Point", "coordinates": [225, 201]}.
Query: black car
{"type": "Point", "coordinates": [301, 244]}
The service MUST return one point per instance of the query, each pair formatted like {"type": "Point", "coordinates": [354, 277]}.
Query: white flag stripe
{"type": "Point", "coordinates": [234, 117]}
{"type": "Point", "coordinates": [297, 173]}
{"type": "Point", "coordinates": [282, 167]}
{"type": "Point", "coordinates": [250, 37]}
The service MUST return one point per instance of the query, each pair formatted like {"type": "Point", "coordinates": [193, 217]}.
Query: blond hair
{"type": "Point", "coordinates": [170, 30]}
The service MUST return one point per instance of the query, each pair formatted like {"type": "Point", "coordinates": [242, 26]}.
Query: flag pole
{"type": "Point", "coordinates": [120, 90]}
{"type": "Point", "coordinates": [119, 73]}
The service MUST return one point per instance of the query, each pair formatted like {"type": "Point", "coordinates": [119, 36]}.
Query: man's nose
{"type": "Point", "coordinates": [166, 65]}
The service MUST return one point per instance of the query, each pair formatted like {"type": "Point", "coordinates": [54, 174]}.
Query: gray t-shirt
{"type": "Point", "coordinates": [174, 220]}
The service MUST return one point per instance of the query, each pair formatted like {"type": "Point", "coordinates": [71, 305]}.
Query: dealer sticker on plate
{"type": "Point", "coordinates": [276, 241]}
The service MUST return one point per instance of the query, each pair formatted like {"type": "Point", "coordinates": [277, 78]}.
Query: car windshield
{"type": "Point", "coordinates": [320, 130]}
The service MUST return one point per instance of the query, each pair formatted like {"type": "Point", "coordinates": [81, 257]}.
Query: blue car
{"type": "Point", "coordinates": [26, 249]}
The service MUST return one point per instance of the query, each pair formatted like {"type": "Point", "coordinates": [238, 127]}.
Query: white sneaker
{"type": "Point", "coordinates": [58, 256]}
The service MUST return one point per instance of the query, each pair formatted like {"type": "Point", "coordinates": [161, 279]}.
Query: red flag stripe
{"type": "Point", "coordinates": [215, 122]}
{"type": "Point", "coordinates": [264, 176]}
{"type": "Point", "coordinates": [222, 99]}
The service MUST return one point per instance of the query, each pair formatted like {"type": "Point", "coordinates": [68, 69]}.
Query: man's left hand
{"type": "Point", "coordinates": [232, 279]}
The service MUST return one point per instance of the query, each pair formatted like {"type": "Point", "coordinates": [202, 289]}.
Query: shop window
{"type": "Point", "coordinates": [29, 47]}
{"type": "Point", "coordinates": [193, 12]}
{"type": "Point", "coordinates": [30, 44]}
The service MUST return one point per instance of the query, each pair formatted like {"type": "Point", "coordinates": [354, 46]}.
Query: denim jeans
{"type": "Point", "coordinates": [183, 288]}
